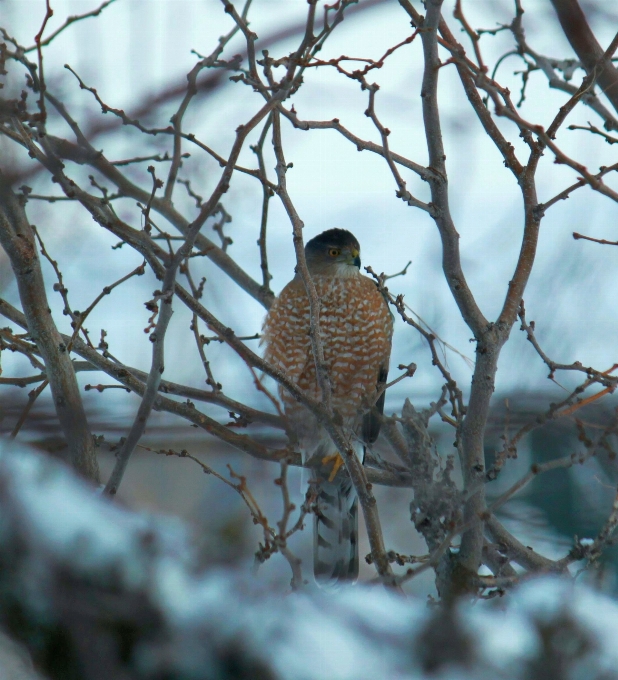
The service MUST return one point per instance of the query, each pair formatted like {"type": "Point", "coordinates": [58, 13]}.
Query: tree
{"type": "Point", "coordinates": [450, 507]}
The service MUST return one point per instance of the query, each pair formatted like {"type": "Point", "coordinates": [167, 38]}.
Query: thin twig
{"type": "Point", "coordinates": [32, 397]}
{"type": "Point", "coordinates": [70, 20]}
{"type": "Point", "coordinates": [267, 194]}
{"type": "Point", "coordinates": [602, 241]}
{"type": "Point", "coordinates": [39, 52]}
{"type": "Point", "coordinates": [82, 316]}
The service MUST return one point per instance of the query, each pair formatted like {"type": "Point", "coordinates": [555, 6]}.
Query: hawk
{"type": "Point", "coordinates": [356, 328]}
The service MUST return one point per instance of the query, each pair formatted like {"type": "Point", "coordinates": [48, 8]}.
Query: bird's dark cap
{"type": "Point", "coordinates": [338, 238]}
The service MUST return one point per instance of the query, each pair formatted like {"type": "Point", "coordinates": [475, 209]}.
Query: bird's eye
{"type": "Point", "coordinates": [334, 252]}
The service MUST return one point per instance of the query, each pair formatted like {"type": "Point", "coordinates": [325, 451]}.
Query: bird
{"type": "Point", "coordinates": [356, 329]}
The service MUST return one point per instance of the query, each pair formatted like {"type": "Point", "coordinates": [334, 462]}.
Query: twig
{"type": "Point", "coordinates": [59, 287]}
{"type": "Point", "coordinates": [602, 241]}
{"type": "Point", "coordinates": [197, 294]}
{"type": "Point", "coordinates": [371, 63]}
{"type": "Point", "coordinates": [196, 197]}
{"type": "Point", "coordinates": [65, 149]}
{"type": "Point", "coordinates": [267, 194]}
{"type": "Point", "coordinates": [361, 144]}
{"type": "Point", "coordinates": [548, 66]}
{"type": "Point", "coordinates": [403, 272]}
{"type": "Point", "coordinates": [593, 180]}
{"type": "Point", "coordinates": [70, 20]}
{"type": "Point", "coordinates": [517, 551]}
{"type": "Point", "coordinates": [126, 120]}
{"type": "Point", "coordinates": [535, 470]}
{"type": "Point", "coordinates": [563, 195]}
{"type": "Point", "coordinates": [102, 388]}
{"type": "Point", "coordinates": [142, 159]}
{"type": "Point", "coordinates": [32, 397]}
{"type": "Point", "coordinates": [17, 344]}
{"type": "Point", "coordinates": [216, 338]}
{"type": "Point", "coordinates": [170, 269]}
{"type": "Point", "coordinates": [81, 317]}
{"type": "Point", "coordinates": [239, 488]}
{"type": "Point", "coordinates": [282, 524]}
{"type": "Point", "coordinates": [273, 541]}
{"type": "Point", "coordinates": [410, 370]}
{"type": "Point", "coordinates": [592, 550]}
{"type": "Point", "coordinates": [41, 74]}
{"type": "Point", "coordinates": [472, 34]}
{"type": "Point", "coordinates": [218, 226]}
{"type": "Point", "coordinates": [602, 377]}
{"type": "Point", "coordinates": [595, 131]}
{"type": "Point", "coordinates": [22, 382]}
{"type": "Point", "coordinates": [402, 191]}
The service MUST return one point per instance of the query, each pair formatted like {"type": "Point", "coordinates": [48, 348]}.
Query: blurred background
{"type": "Point", "coordinates": [137, 54]}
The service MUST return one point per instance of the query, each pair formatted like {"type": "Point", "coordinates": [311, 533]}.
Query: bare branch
{"type": "Point", "coordinates": [591, 54]}
{"type": "Point", "coordinates": [32, 397]}
{"type": "Point", "coordinates": [563, 195]}
{"type": "Point", "coordinates": [451, 262]}
{"type": "Point", "coordinates": [361, 144]}
{"type": "Point", "coordinates": [70, 20]}
{"type": "Point", "coordinates": [602, 377]}
{"type": "Point", "coordinates": [267, 194]}
{"type": "Point", "coordinates": [517, 551]}
{"type": "Point", "coordinates": [602, 241]}
{"type": "Point", "coordinates": [17, 239]}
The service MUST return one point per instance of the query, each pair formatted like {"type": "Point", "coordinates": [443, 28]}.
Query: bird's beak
{"type": "Point", "coordinates": [355, 260]}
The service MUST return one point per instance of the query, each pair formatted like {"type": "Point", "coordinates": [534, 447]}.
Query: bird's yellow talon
{"type": "Point", "coordinates": [337, 462]}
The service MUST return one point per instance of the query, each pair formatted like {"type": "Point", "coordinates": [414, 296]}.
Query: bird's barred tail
{"type": "Point", "coordinates": [335, 533]}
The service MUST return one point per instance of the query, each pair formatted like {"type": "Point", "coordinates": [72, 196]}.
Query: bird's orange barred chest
{"type": "Point", "coordinates": [355, 327]}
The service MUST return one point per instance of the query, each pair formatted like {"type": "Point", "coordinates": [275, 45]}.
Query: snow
{"type": "Point", "coordinates": [358, 632]}
{"type": "Point", "coordinates": [69, 519]}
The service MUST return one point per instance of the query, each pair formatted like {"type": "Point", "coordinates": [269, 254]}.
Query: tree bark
{"type": "Point", "coordinates": [590, 53]}
{"type": "Point", "coordinates": [17, 239]}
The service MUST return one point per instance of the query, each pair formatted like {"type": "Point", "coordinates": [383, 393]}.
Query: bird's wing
{"type": "Point", "coordinates": [372, 420]}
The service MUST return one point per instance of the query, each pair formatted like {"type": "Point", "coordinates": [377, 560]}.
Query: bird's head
{"type": "Point", "coordinates": [335, 252]}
